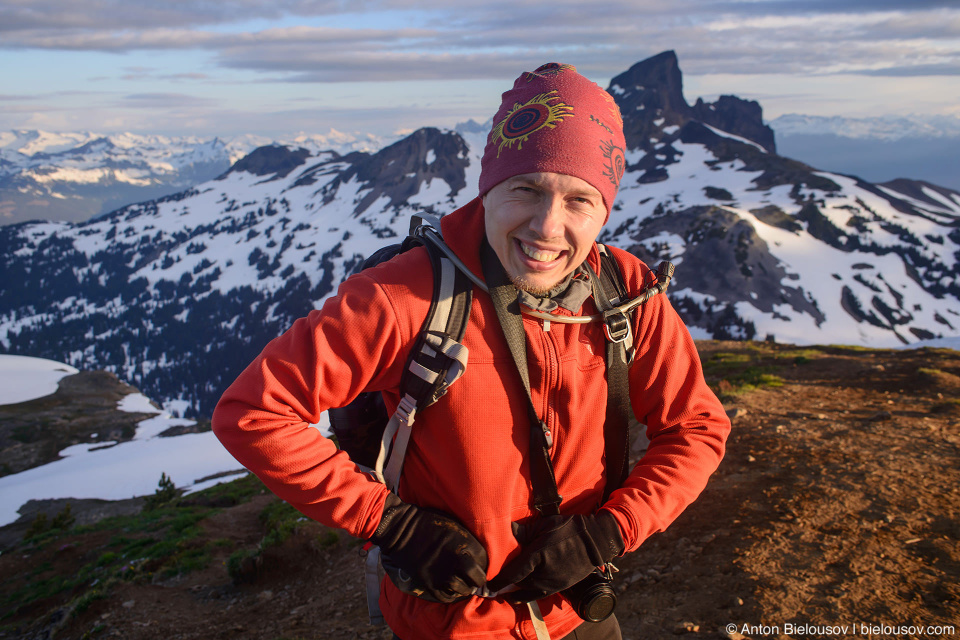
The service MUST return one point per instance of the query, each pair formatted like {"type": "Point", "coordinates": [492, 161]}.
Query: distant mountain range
{"type": "Point", "coordinates": [876, 149]}
{"type": "Point", "coordinates": [176, 295]}
{"type": "Point", "coordinates": [888, 128]}
{"type": "Point", "coordinates": [76, 176]}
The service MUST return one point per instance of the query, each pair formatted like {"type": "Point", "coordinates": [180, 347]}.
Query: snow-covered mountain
{"type": "Point", "coordinates": [76, 176]}
{"type": "Point", "coordinates": [178, 294]}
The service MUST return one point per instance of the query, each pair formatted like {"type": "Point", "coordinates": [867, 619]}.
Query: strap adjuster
{"type": "Point", "coordinates": [406, 409]}
{"type": "Point", "coordinates": [616, 325]}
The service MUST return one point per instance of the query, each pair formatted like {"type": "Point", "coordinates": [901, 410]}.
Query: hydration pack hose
{"type": "Point", "coordinates": [663, 276]}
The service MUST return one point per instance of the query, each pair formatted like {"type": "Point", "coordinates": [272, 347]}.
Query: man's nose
{"type": "Point", "coordinates": [548, 221]}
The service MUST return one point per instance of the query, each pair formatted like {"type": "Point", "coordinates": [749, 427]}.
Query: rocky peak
{"type": "Point", "coordinates": [399, 170]}
{"type": "Point", "coordinates": [737, 116]}
{"type": "Point", "coordinates": [650, 97]}
{"type": "Point", "coordinates": [271, 160]}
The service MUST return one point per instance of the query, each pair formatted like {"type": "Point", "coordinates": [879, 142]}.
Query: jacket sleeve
{"type": "Point", "coordinates": [324, 360]}
{"type": "Point", "coordinates": [686, 424]}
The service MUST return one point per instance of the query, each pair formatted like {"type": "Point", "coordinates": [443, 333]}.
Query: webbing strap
{"type": "Point", "coordinates": [427, 375]}
{"type": "Point", "coordinates": [607, 291]}
{"type": "Point", "coordinates": [400, 426]}
{"type": "Point", "coordinates": [371, 574]}
{"type": "Point", "coordinates": [546, 498]}
{"type": "Point", "coordinates": [443, 300]}
{"type": "Point", "coordinates": [456, 353]}
{"type": "Point", "coordinates": [539, 626]}
{"type": "Point", "coordinates": [421, 386]}
{"type": "Point", "coordinates": [613, 292]}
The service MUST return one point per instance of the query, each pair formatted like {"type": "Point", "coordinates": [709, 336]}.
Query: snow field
{"type": "Point", "coordinates": [108, 471]}
{"type": "Point", "coordinates": [23, 378]}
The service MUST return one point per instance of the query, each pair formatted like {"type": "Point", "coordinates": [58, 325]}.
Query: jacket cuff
{"type": "Point", "coordinates": [611, 533]}
{"type": "Point", "coordinates": [387, 515]}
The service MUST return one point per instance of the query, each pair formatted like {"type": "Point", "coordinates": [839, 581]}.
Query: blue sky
{"type": "Point", "coordinates": [227, 67]}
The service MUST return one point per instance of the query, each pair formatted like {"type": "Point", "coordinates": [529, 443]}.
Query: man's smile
{"type": "Point", "coordinates": [539, 255]}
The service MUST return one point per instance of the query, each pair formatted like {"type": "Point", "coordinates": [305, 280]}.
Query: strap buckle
{"type": "Point", "coordinates": [616, 325]}
{"type": "Point", "coordinates": [406, 409]}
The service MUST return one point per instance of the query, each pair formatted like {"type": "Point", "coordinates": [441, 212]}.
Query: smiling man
{"type": "Point", "coordinates": [509, 511]}
{"type": "Point", "coordinates": [542, 226]}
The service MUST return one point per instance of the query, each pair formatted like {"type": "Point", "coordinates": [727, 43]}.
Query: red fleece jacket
{"type": "Point", "coordinates": [468, 452]}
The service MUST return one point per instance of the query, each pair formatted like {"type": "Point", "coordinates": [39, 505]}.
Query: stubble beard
{"type": "Point", "coordinates": [524, 285]}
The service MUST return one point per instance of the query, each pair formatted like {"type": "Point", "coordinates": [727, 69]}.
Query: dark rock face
{"type": "Point", "coordinates": [650, 97]}
{"type": "Point", "coordinates": [399, 171]}
{"type": "Point", "coordinates": [739, 117]}
{"type": "Point", "coordinates": [723, 256]}
{"type": "Point", "coordinates": [650, 90]}
{"type": "Point", "coordinates": [273, 160]}
{"type": "Point", "coordinates": [917, 189]}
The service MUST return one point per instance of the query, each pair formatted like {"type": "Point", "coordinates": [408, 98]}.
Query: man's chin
{"type": "Point", "coordinates": [536, 288]}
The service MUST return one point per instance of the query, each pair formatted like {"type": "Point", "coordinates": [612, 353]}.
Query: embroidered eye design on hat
{"type": "Point", "coordinates": [615, 161]}
{"type": "Point", "coordinates": [526, 119]}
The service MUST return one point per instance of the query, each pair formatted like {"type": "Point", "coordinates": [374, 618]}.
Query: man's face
{"type": "Point", "coordinates": [542, 226]}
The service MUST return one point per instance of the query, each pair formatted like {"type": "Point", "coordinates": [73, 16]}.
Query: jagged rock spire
{"type": "Point", "coordinates": [650, 96]}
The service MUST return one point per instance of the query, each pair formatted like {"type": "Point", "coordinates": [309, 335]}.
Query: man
{"type": "Point", "coordinates": [474, 554]}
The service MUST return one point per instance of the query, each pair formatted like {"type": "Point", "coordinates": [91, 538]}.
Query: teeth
{"type": "Point", "coordinates": [540, 256]}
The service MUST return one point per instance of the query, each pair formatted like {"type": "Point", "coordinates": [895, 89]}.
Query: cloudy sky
{"type": "Point", "coordinates": [278, 67]}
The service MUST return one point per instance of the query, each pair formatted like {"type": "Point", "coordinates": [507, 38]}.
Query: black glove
{"type": "Point", "coordinates": [429, 554]}
{"type": "Point", "coordinates": [557, 553]}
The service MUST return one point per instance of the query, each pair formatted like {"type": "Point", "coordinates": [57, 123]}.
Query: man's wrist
{"type": "Point", "coordinates": [610, 530]}
{"type": "Point", "coordinates": [387, 516]}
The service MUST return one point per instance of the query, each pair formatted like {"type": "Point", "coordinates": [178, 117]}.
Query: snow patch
{"type": "Point", "coordinates": [724, 134]}
{"type": "Point", "coordinates": [23, 378]}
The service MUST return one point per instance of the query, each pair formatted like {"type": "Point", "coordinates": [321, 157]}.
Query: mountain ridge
{"type": "Point", "coordinates": [77, 176]}
{"type": "Point", "coordinates": [176, 295]}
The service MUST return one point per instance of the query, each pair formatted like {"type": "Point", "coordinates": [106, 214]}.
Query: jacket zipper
{"type": "Point", "coordinates": [551, 378]}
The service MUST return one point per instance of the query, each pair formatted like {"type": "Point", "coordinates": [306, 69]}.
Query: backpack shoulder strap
{"type": "Point", "coordinates": [609, 290]}
{"type": "Point", "coordinates": [437, 359]}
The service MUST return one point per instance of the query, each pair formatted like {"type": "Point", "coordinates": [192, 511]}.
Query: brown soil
{"type": "Point", "coordinates": [83, 409]}
{"type": "Point", "coordinates": [838, 503]}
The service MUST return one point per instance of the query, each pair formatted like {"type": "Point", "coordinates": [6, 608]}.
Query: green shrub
{"type": "Point", "coordinates": [239, 564]}
{"type": "Point", "coordinates": [106, 558]}
{"type": "Point", "coordinates": [40, 524]}
{"type": "Point", "coordinates": [63, 520]}
{"type": "Point", "coordinates": [328, 538]}
{"type": "Point", "coordinates": [280, 521]}
{"type": "Point", "coordinates": [165, 494]}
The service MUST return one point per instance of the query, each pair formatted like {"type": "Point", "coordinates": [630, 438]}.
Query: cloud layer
{"type": "Point", "coordinates": [379, 63]}
{"type": "Point", "coordinates": [328, 41]}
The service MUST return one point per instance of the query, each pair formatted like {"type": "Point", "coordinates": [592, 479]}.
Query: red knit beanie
{"type": "Point", "coordinates": [556, 121]}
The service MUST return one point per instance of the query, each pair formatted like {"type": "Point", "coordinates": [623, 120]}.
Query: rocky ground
{"type": "Point", "coordinates": [83, 409]}
{"type": "Point", "coordinates": [835, 514]}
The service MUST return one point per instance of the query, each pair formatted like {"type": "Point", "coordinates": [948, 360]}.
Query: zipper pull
{"type": "Point", "coordinates": [546, 325]}
{"type": "Point", "coordinates": [547, 434]}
